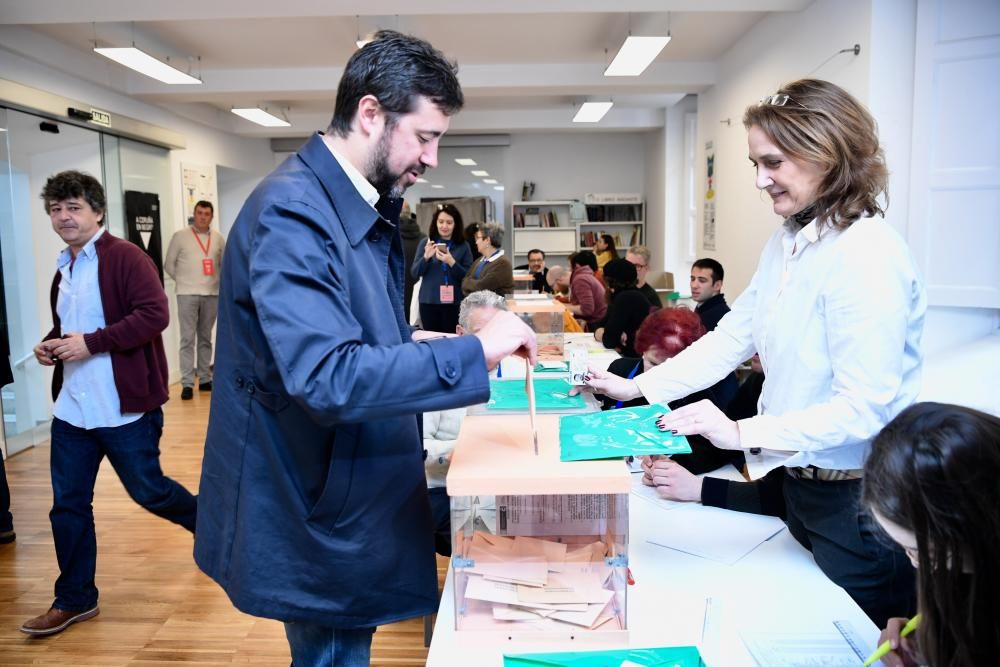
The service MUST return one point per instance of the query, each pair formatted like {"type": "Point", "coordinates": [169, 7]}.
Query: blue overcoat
{"type": "Point", "coordinates": [313, 505]}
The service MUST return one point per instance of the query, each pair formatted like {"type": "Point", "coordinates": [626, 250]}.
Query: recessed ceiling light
{"type": "Point", "coordinates": [592, 112]}
{"type": "Point", "coordinates": [491, 181]}
{"type": "Point", "coordinates": [480, 172]}
{"type": "Point", "coordinates": [498, 187]}
{"type": "Point", "coordinates": [635, 55]}
{"type": "Point", "coordinates": [261, 117]}
{"type": "Point", "coordinates": [437, 187]}
{"type": "Point", "coordinates": [465, 162]}
{"type": "Point", "coordinates": [143, 63]}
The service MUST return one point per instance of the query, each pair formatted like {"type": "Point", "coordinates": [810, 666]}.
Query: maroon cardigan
{"type": "Point", "coordinates": [136, 311]}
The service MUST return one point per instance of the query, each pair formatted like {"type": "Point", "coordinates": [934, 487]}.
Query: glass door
{"type": "Point", "coordinates": [32, 149]}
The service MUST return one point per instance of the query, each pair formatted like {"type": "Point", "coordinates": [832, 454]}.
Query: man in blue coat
{"type": "Point", "coordinates": [314, 507]}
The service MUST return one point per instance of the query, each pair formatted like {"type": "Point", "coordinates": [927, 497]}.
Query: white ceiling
{"type": "Point", "coordinates": [524, 64]}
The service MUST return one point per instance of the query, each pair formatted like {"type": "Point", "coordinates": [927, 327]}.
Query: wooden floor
{"type": "Point", "coordinates": [157, 608]}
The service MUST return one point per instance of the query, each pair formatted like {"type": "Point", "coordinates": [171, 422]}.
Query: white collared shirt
{"type": "Point", "coordinates": [364, 188]}
{"type": "Point", "coordinates": [837, 318]}
{"type": "Point", "coordinates": [495, 256]}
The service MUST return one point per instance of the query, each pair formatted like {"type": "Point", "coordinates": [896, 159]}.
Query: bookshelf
{"type": "Point", "coordinates": [563, 227]}
{"type": "Point", "coordinates": [548, 225]}
{"type": "Point", "coordinates": [620, 215]}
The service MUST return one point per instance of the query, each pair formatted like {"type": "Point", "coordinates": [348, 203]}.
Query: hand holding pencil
{"type": "Point", "coordinates": [893, 649]}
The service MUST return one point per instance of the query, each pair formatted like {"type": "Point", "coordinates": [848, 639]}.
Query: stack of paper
{"type": "Point", "coordinates": [713, 533]}
{"type": "Point", "coordinates": [530, 579]}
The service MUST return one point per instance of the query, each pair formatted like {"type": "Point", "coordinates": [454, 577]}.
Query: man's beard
{"type": "Point", "coordinates": [386, 183]}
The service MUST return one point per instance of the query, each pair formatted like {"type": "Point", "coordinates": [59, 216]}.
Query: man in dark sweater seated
{"type": "Point", "coordinates": [536, 267]}
{"type": "Point", "coordinates": [706, 289]}
{"type": "Point", "coordinates": [638, 255]}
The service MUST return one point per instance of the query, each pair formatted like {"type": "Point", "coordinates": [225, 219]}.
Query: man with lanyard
{"type": "Point", "coordinates": [193, 260]}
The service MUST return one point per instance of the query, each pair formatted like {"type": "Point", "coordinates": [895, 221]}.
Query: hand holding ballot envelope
{"type": "Point", "coordinates": [507, 334]}
{"type": "Point", "coordinates": [702, 418]}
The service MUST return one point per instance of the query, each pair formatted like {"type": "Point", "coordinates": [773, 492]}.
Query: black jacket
{"type": "Point", "coordinates": [711, 311]}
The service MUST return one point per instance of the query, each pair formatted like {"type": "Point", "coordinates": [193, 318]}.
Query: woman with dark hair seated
{"type": "Point", "coordinates": [931, 482]}
{"type": "Point", "coordinates": [627, 308]}
{"type": "Point", "coordinates": [586, 292]}
{"type": "Point", "coordinates": [664, 334]}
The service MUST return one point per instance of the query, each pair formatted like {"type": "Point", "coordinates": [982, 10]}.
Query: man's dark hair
{"type": "Point", "coordinates": [75, 185]}
{"type": "Point", "coordinates": [583, 258]}
{"type": "Point", "coordinates": [709, 263]}
{"type": "Point", "coordinates": [534, 250]}
{"type": "Point", "coordinates": [396, 69]}
{"type": "Point", "coordinates": [205, 204]}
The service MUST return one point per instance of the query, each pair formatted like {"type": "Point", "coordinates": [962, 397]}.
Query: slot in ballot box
{"type": "Point", "coordinates": [545, 317]}
{"type": "Point", "coordinates": [540, 547]}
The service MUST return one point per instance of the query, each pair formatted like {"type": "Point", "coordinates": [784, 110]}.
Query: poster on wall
{"type": "Point", "coordinates": [142, 224]}
{"type": "Point", "coordinates": [198, 184]}
{"type": "Point", "coordinates": [708, 230]}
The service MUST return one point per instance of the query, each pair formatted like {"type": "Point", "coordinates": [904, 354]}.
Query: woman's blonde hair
{"type": "Point", "coordinates": [821, 123]}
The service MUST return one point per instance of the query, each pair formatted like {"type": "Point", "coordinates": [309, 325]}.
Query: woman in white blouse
{"type": "Point", "coordinates": [836, 311]}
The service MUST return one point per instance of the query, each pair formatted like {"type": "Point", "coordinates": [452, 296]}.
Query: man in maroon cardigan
{"type": "Point", "coordinates": [110, 381]}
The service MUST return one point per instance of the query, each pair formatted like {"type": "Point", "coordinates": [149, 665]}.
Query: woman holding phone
{"type": "Point", "coordinates": [836, 312]}
{"type": "Point", "coordinates": [440, 265]}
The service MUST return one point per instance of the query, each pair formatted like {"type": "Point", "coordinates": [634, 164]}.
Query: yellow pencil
{"type": "Point", "coordinates": [884, 649]}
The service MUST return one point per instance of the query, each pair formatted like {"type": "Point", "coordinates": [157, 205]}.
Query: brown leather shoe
{"type": "Point", "coordinates": [56, 620]}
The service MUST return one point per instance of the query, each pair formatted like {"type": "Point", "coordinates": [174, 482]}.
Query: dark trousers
{"type": "Point", "coordinates": [826, 518]}
{"type": "Point", "coordinates": [441, 511]}
{"type": "Point", "coordinates": [134, 452]}
{"type": "Point", "coordinates": [441, 317]}
{"type": "Point", "coordinates": [6, 520]}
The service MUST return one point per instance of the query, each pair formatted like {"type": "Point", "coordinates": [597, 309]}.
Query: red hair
{"type": "Point", "coordinates": [670, 330]}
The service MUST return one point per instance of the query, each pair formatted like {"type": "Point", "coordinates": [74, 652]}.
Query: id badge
{"type": "Point", "coordinates": [447, 294]}
{"type": "Point", "coordinates": [207, 267]}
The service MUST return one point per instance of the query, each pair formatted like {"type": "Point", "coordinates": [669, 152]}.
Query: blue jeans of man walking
{"type": "Point", "coordinates": [134, 452]}
{"type": "Point", "coordinates": [320, 646]}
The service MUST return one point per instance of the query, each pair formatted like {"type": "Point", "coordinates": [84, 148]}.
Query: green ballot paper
{"type": "Point", "coordinates": [550, 394]}
{"type": "Point", "coordinates": [617, 433]}
{"type": "Point", "coordinates": [674, 656]}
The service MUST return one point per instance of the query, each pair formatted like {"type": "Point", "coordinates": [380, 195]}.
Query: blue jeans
{"type": "Point", "coordinates": [320, 646]}
{"type": "Point", "coordinates": [134, 452]}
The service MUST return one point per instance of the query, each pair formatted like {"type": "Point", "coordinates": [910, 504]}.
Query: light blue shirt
{"type": "Point", "coordinates": [88, 398]}
{"type": "Point", "coordinates": [837, 319]}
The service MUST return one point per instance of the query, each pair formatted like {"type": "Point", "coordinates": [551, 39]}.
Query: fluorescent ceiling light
{"type": "Point", "coordinates": [490, 181]}
{"type": "Point", "coordinates": [421, 180]}
{"type": "Point", "coordinates": [465, 162]}
{"type": "Point", "coordinates": [592, 112]}
{"type": "Point", "coordinates": [480, 172]}
{"type": "Point", "coordinates": [498, 187]}
{"type": "Point", "coordinates": [437, 187]}
{"type": "Point", "coordinates": [146, 64]}
{"type": "Point", "coordinates": [635, 55]}
{"type": "Point", "coordinates": [261, 117]}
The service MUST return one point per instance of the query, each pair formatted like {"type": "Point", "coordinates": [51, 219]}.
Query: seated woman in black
{"type": "Point", "coordinates": [663, 335]}
{"type": "Point", "coordinates": [628, 307]}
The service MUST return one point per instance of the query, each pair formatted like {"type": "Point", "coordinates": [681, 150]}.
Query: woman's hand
{"type": "Point", "coordinates": [603, 382]}
{"type": "Point", "coordinates": [903, 653]}
{"type": "Point", "coordinates": [672, 480]}
{"type": "Point", "coordinates": [702, 418]}
{"type": "Point", "coordinates": [444, 255]}
{"type": "Point", "coordinates": [429, 250]}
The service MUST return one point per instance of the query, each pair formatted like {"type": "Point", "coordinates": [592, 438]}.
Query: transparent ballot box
{"type": "Point", "coordinates": [545, 317]}
{"type": "Point", "coordinates": [539, 546]}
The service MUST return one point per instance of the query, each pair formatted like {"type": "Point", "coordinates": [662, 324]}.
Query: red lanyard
{"type": "Point", "coordinates": [204, 248]}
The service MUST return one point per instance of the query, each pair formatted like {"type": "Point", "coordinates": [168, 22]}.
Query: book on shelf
{"type": "Point", "coordinates": [588, 239]}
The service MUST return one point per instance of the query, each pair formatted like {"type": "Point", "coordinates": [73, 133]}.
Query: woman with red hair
{"type": "Point", "coordinates": [662, 335]}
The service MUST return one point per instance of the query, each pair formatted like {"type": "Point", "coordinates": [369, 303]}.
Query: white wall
{"type": "Point", "coordinates": [656, 197]}
{"type": "Point", "coordinates": [780, 48]}
{"type": "Point", "coordinates": [676, 257]}
{"type": "Point", "coordinates": [205, 145]}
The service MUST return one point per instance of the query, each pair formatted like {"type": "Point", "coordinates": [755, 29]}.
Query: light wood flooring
{"type": "Point", "coordinates": [157, 608]}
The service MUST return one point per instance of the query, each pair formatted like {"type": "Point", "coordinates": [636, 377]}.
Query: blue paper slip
{"type": "Point", "coordinates": [673, 656]}
{"type": "Point", "coordinates": [617, 433]}
{"type": "Point", "coordinates": [550, 394]}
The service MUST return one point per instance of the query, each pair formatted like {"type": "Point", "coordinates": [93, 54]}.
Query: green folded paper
{"type": "Point", "coordinates": [550, 394]}
{"type": "Point", "coordinates": [672, 656]}
{"type": "Point", "coordinates": [617, 433]}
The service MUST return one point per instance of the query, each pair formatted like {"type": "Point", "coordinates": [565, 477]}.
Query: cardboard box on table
{"type": "Point", "coordinates": [540, 547]}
